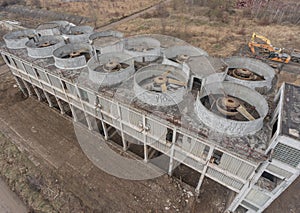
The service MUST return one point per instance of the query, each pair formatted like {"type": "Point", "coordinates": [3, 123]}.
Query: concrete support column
{"type": "Point", "coordinates": [48, 99]}
{"type": "Point", "coordinates": [125, 147]}
{"type": "Point", "coordinates": [104, 130]}
{"type": "Point", "coordinates": [20, 85]}
{"type": "Point", "coordinates": [104, 127]}
{"type": "Point", "coordinates": [75, 118]}
{"type": "Point", "coordinates": [146, 152]}
{"type": "Point", "coordinates": [28, 88]}
{"type": "Point", "coordinates": [170, 171]}
{"type": "Point", "coordinates": [210, 153]}
{"type": "Point", "coordinates": [37, 93]}
{"type": "Point", "coordinates": [62, 111]}
{"type": "Point", "coordinates": [89, 122]}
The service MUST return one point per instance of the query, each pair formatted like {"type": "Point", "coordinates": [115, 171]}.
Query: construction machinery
{"type": "Point", "coordinates": [295, 55]}
{"type": "Point", "coordinates": [273, 53]}
{"type": "Point", "coordinates": [264, 44]}
{"type": "Point", "coordinates": [279, 57]}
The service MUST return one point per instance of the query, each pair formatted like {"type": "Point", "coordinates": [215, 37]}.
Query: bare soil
{"type": "Point", "coordinates": [9, 202]}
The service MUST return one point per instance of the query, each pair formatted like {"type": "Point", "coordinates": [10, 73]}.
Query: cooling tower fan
{"type": "Point", "coordinates": [160, 85]}
{"type": "Point", "coordinates": [72, 56]}
{"type": "Point", "coordinates": [181, 54]}
{"type": "Point", "coordinates": [43, 47]}
{"type": "Point", "coordinates": [110, 68]}
{"type": "Point", "coordinates": [231, 108]}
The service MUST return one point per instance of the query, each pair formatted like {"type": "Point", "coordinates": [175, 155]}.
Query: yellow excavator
{"type": "Point", "coordinates": [274, 53]}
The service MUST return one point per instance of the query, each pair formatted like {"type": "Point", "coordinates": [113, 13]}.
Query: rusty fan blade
{"type": "Point", "coordinates": [241, 109]}
{"type": "Point", "coordinates": [163, 87]}
{"type": "Point", "coordinates": [77, 53]}
{"type": "Point", "coordinates": [173, 81]}
{"type": "Point", "coordinates": [165, 73]}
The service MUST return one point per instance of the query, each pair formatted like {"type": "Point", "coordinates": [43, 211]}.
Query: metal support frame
{"type": "Point", "coordinates": [48, 99]}
{"type": "Point", "coordinates": [75, 118]}
{"type": "Point", "coordinates": [209, 155]}
{"type": "Point", "coordinates": [37, 93]}
{"type": "Point", "coordinates": [145, 140]}
{"type": "Point", "coordinates": [27, 87]}
{"type": "Point", "coordinates": [62, 111]}
{"type": "Point", "coordinates": [247, 187]}
{"type": "Point", "coordinates": [170, 170]}
{"type": "Point", "coordinates": [97, 112]}
{"type": "Point", "coordinates": [20, 85]}
{"type": "Point", "coordinates": [85, 114]}
{"type": "Point", "coordinates": [125, 146]}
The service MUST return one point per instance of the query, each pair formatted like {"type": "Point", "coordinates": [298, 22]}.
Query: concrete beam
{"type": "Point", "coordinates": [37, 93]}
{"type": "Point", "coordinates": [20, 85]}
{"type": "Point", "coordinates": [27, 87]}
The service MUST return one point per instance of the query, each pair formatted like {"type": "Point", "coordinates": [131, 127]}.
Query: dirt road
{"type": "Point", "coordinates": [130, 17]}
{"type": "Point", "coordinates": [9, 202]}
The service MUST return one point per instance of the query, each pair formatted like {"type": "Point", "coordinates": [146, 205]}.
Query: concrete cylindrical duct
{"type": "Point", "coordinates": [78, 33]}
{"type": "Point", "coordinates": [44, 46]}
{"type": "Point", "coordinates": [250, 72]}
{"type": "Point", "coordinates": [18, 39]}
{"type": "Point", "coordinates": [142, 47]}
{"type": "Point", "coordinates": [180, 54]}
{"type": "Point", "coordinates": [107, 41]}
{"type": "Point", "coordinates": [72, 56]}
{"type": "Point", "coordinates": [254, 103]}
{"type": "Point", "coordinates": [110, 68]}
{"type": "Point", "coordinates": [52, 28]}
{"type": "Point", "coordinates": [152, 85]}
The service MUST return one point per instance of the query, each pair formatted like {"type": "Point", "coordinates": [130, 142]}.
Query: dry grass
{"type": "Point", "coordinates": [102, 12]}
{"type": "Point", "coordinates": [219, 37]}
{"type": "Point", "coordinates": [220, 31]}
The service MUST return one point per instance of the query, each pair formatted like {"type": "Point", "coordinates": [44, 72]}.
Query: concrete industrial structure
{"type": "Point", "coordinates": [220, 117]}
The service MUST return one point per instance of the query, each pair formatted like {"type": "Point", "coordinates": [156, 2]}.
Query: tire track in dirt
{"type": "Point", "coordinates": [132, 16]}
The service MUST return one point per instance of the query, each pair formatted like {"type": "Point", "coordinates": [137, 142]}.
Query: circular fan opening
{"type": "Point", "coordinates": [162, 83]}
{"type": "Point", "coordinates": [245, 74]}
{"type": "Point", "coordinates": [230, 107]}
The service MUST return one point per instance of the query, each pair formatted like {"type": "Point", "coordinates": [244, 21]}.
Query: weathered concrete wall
{"type": "Point", "coordinates": [174, 51]}
{"type": "Point", "coordinates": [18, 39]}
{"type": "Point", "coordinates": [142, 47]}
{"type": "Point", "coordinates": [43, 52]}
{"type": "Point", "coordinates": [110, 78]}
{"type": "Point", "coordinates": [70, 63]}
{"type": "Point", "coordinates": [228, 126]}
{"type": "Point", "coordinates": [254, 66]}
{"type": "Point", "coordinates": [77, 34]}
{"type": "Point", "coordinates": [107, 41]}
{"type": "Point", "coordinates": [167, 98]}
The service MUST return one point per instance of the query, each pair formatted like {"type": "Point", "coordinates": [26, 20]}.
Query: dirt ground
{"type": "Point", "coordinates": [218, 36]}
{"type": "Point", "coordinates": [9, 202]}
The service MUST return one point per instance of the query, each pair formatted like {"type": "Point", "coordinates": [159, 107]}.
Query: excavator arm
{"type": "Point", "coordinates": [264, 39]}
{"type": "Point", "coordinates": [264, 44]}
